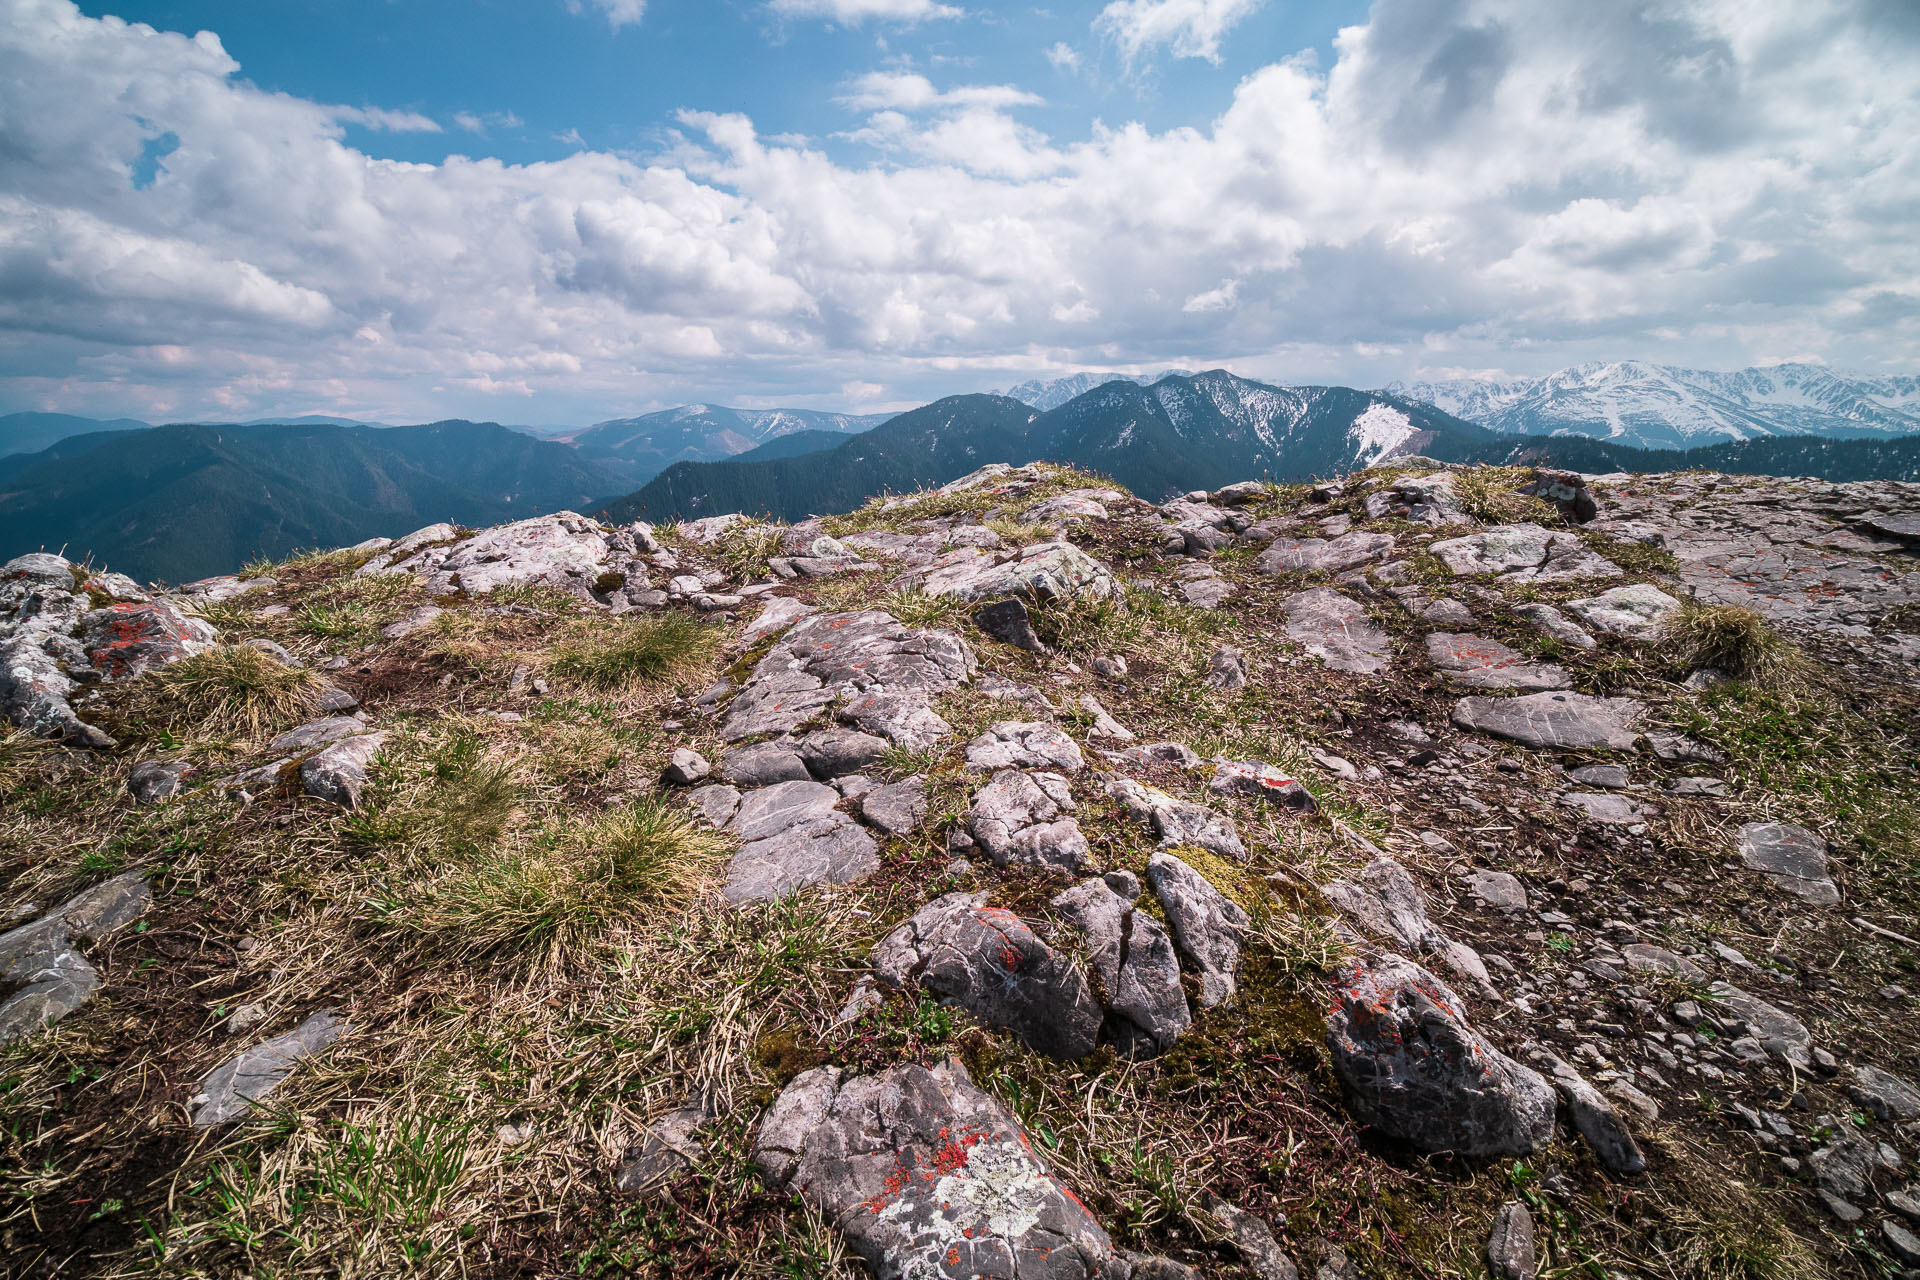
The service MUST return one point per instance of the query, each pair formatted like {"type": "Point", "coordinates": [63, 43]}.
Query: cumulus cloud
{"type": "Point", "coordinates": [1468, 184]}
{"type": "Point", "coordinates": [1064, 56]}
{"type": "Point", "coordinates": [1188, 28]}
{"type": "Point", "coordinates": [854, 12]}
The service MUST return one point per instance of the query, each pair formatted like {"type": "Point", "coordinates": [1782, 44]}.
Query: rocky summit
{"type": "Point", "coordinates": [1443, 871]}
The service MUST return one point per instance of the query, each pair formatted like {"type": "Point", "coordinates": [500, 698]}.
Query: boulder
{"type": "Point", "coordinates": [1561, 721]}
{"type": "Point", "coordinates": [564, 550]}
{"type": "Point", "coordinates": [1025, 744]}
{"type": "Point", "coordinates": [1208, 927]}
{"type": "Point", "coordinates": [1175, 821]}
{"type": "Point", "coordinates": [763, 764]}
{"type": "Point", "coordinates": [1522, 552]}
{"type": "Point", "coordinates": [1134, 959]}
{"type": "Point", "coordinates": [1425, 500]}
{"type": "Point", "coordinates": [1324, 555]}
{"type": "Point", "coordinates": [991, 964]}
{"type": "Point", "coordinates": [1337, 631]}
{"type": "Point", "coordinates": [235, 1087]}
{"type": "Point", "coordinates": [1566, 490]}
{"type": "Point", "coordinates": [1045, 571]}
{"type": "Point", "coordinates": [1480, 663]}
{"type": "Point", "coordinates": [882, 671]}
{"type": "Point", "coordinates": [1499, 890]}
{"type": "Point", "coordinates": [1019, 818]}
{"type": "Point", "coordinates": [124, 640]}
{"type": "Point", "coordinates": [1414, 1068]}
{"type": "Point", "coordinates": [793, 838]}
{"type": "Point", "coordinates": [897, 809]}
{"type": "Point", "coordinates": [1009, 622]}
{"type": "Point", "coordinates": [1637, 612]}
{"type": "Point", "coordinates": [928, 1176]}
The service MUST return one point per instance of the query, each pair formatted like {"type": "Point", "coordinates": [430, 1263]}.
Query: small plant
{"type": "Point", "coordinates": [553, 901]}
{"type": "Point", "coordinates": [916, 608]}
{"type": "Point", "coordinates": [1732, 639]}
{"type": "Point", "coordinates": [745, 550]}
{"type": "Point", "coordinates": [535, 595]}
{"type": "Point", "coordinates": [1492, 495]}
{"type": "Point", "coordinates": [346, 621]}
{"type": "Point", "coordinates": [635, 653]}
{"type": "Point", "coordinates": [235, 689]}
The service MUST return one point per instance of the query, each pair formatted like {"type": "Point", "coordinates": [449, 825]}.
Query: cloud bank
{"type": "Point", "coordinates": [1470, 184]}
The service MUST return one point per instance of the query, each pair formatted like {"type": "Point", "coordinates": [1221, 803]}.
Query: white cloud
{"type": "Point", "coordinates": [482, 122]}
{"type": "Point", "coordinates": [854, 12]}
{"type": "Point", "coordinates": [386, 121]}
{"type": "Point", "coordinates": [619, 13]}
{"type": "Point", "coordinates": [1473, 185]}
{"type": "Point", "coordinates": [1189, 28]}
{"type": "Point", "coordinates": [1064, 56]}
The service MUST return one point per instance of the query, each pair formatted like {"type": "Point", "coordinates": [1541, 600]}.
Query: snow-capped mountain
{"type": "Point", "coordinates": [640, 448]}
{"type": "Point", "coordinates": [1053, 393]}
{"type": "Point", "coordinates": [1654, 406]}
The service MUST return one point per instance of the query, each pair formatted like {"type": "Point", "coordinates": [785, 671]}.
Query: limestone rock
{"type": "Point", "coordinates": [1522, 552]}
{"type": "Point", "coordinates": [1025, 744]}
{"type": "Point", "coordinates": [763, 764]}
{"type": "Point", "coordinates": [1562, 721]}
{"type": "Point", "coordinates": [779, 614]}
{"type": "Point", "coordinates": [1511, 1251]}
{"type": "Point", "coordinates": [1337, 631]}
{"type": "Point", "coordinates": [1793, 856]}
{"type": "Point", "coordinates": [1227, 669]}
{"type": "Point", "coordinates": [1324, 555]}
{"type": "Point", "coordinates": [793, 838]}
{"type": "Point", "coordinates": [565, 551]}
{"type": "Point", "coordinates": [991, 964]}
{"type": "Point", "coordinates": [687, 767]}
{"type": "Point", "coordinates": [1416, 1070]}
{"type": "Point", "coordinates": [1045, 571]}
{"type": "Point", "coordinates": [1555, 625]}
{"type": "Point", "coordinates": [1885, 1094]}
{"type": "Point", "coordinates": [928, 1176]}
{"type": "Point", "coordinates": [1135, 962]}
{"type": "Point", "coordinates": [316, 733]}
{"type": "Point", "coordinates": [1480, 663]}
{"type": "Point", "coordinates": [1020, 818]}
{"type": "Point", "coordinates": [1009, 621]}
{"type": "Point", "coordinates": [1599, 1123]}
{"type": "Point", "coordinates": [1782, 1035]}
{"type": "Point", "coordinates": [884, 672]}
{"type": "Point", "coordinates": [244, 1081]}
{"type": "Point", "coordinates": [1636, 611]}
{"type": "Point", "coordinates": [1259, 781]}
{"type": "Point", "coordinates": [897, 809]}
{"type": "Point", "coordinates": [667, 1149]}
{"type": "Point", "coordinates": [1175, 821]}
{"type": "Point", "coordinates": [338, 772]}
{"type": "Point", "coordinates": [152, 781]}
{"type": "Point", "coordinates": [1208, 927]}
{"type": "Point", "coordinates": [835, 753]}
{"type": "Point", "coordinates": [1500, 890]}
{"type": "Point", "coordinates": [1104, 725]}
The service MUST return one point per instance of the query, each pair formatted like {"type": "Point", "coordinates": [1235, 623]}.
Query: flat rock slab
{"type": "Point", "coordinates": [1020, 818]}
{"type": "Point", "coordinates": [1337, 631]}
{"type": "Point", "coordinates": [1558, 721]}
{"type": "Point", "coordinates": [884, 670]}
{"type": "Point", "coordinates": [898, 808]}
{"type": "Point", "coordinates": [987, 961]}
{"type": "Point", "coordinates": [1781, 1034]}
{"type": "Point", "coordinates": [763, 764]}
{"type": "Point", "coordinates": [1793, 856]}
{"type": "Point", "coordinates": [1025, 744]}
{"type": "Point", "coordinates": [1480, 663]}
{"type": "Point", "coordinates": [236, 1086]}
{"type": "Point", "coordinates": [1324, 555]}
{"type": "Point", "coordinates": [1416, 1070]}
{"type": "Point", "coordinates": [1522, 552]}
{"type": "Point", "coordinates": [1500, 890]}
{"type": "Point", "coordinates": [1176, 821]}
{"type": "Point", "coordinates": [1555, 625]}
{"type": "Point", "coordinates": [793, 838]}
{"type": "Point", "coordinates": [779, 614]}
{"type": "Point", "coordinates": [1607, 808]}
{"type": "Point", "coordinates": [1045, 571]}
{"type": "Point", "coordinates": [1637, 612]}
{"type": "Point", "coordinates": [929, 1178]}
{"type": "Point", "coordinates": [316, 733]}
{"type": "Point", "coordinates": [565, 550]}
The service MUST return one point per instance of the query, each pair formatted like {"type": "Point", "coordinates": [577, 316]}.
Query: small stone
{"type": "Point", "coordinates": [1208, 927]}
{"type": "Point", "coordinates": [1607, 777]}
{"type": "Point", "coordinates": [687, 767]}
{"type": "Point", "coordinates": [1793, 856]}
{"type": "Point", "coordinates": [339, 772]}
{"type": "Point", "coordinates": [1511, 1251]}
{"type": "Point", "coordinates": [897, 809]}
{"type": "Point", "coordinates": [233, 1088]}
{"type": "Point", "coordinates": [763, 765]}
{"type": "Point", "coordinates": [1226, 669]}
{"type": "Point", "coordinates": [152, 781]}
{"type": "Point", "coordinates": [1008, 621]}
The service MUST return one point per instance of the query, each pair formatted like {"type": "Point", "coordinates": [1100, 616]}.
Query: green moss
{"type": "Point", "coordinates": [784, 1055]}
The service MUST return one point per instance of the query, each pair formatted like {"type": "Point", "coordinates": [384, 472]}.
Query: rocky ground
{"type": "Point", "coordinates": [1431, 873]}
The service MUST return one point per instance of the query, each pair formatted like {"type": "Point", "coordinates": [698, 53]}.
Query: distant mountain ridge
{"type": "Point", "coordinates": [640, 448]}
{"type": "Point", "coordinates": [182, 502]}
{"type": "Point", "coordinates": [1183, 432]}
{"type": "Point", "coordinates": [1653, 406]}
{"type": "Point", "coordinates": [1052, 393]}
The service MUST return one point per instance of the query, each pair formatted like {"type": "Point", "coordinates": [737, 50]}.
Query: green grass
{"type": "Point", "coordinates": [535, 595]}
{"type": "Point", "coordinates": [745, 550]}
{"type": "Point", "coordinates": [916, 608]}
{"type": "Point", "coordinates": [1492, 495]}
{"type": "Point", "coordinates": [554, 900]}
{"type": "Point", "coordinates": [636, 653]}
{"type": "Point", "coordinates": [232, 689]}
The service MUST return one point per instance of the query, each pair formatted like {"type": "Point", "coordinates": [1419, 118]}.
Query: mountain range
{"type": "Point", "coordinates": [182, 502]}
{"type": "Point", "coordinates": [638, 449]}
{"type": "Point", "coordinates": [1652, 406]}
{"type": "Point", "coordinates": [1183, 432]}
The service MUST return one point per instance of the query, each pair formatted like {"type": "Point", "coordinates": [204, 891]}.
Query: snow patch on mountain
{"type": "Point", "coordinates": [1661, 406]}
{"type": "Point", "coordinates": [1045, 394]}
{"type": "Point", "coordinates": [1377, 432]}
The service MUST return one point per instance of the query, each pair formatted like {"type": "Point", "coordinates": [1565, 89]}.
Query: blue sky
{"type": "Point", "coordinates": [535, 75]}
{"type": "Point", "coordinates": [560, 211]}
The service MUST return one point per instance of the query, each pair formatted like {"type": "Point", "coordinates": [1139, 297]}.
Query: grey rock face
{"type": "Point", "coordinates": [1500, 890]}
{"type": "Point", "coordinates": [564, 550]}
{"type": "Point", "coordinates": [1256, 780]}
{"type": "Point", "coordinates": [234, 1087]}
{"type": "Point", "coordinates": [897, 809]}
{"type": "Point", "coordinates": [1559, 721]}
{"type": "Point", "coordinates": [152, 781]}
{"type": "Point", "coordinates": [1599, 1123]}
{"type": "Point", "coordinates": [1607, 777]}
{"type": "Point", "coordinates": [1025, 744]}
{"type": "Point", "coordinates": [339, 772]}
{"type": "Point", "coordinates": [1885, 1094]}
{"type": "Point", "coordinates": [1253, 1240]}
{"type": "Point", "coordinates": [1175, 821]}
{"type": "Point", "coordinates": [717, 804]}
{"type": "Point", "coordinates": [1555, 625]}
{"type": "Point", "coordinates": [1178, 755]}
{"type": "Point", "coordinates": [1636, 611]}
{"type": "Point", "coordinates": [1387, 903]}
{"type": "Point", "coordinates": [793, 838]}
{"type": "Point", "coordinates": [667, 1149]}
{"type": "Point", "coordinates": [1781, 1034]}
{"type": "Point", "coordinates": [884, 674]}
{"type": "Point", "coordinates": [1104, 725]}
{"type": "Point", "coordinates": [1337, 631]}
{"type": "Point", "coordinates": [1019, 818]}
{"type": "Point", "coordinates": [1522, 552]}
{"type": "Point", "coordinates": [1415, 1069]}
{"type": "Point", "coordinates": [1045, 571]}
{"type": "Point", "coordinates": [41, 968]}
{"type": "Point", "coordinates": [1793, 856]}
{"type": "Point", "coordinates": [1511, 1251]}
{"type": "Point", "coordinates": [991, 964]}
{"type": "Point", "coordinates": [1324, 555]}
{"type": "Point", "coordinates": [1135, 962]}
{"type": "Point", "coordinates": [1426, 500]}
{"type": "Point", "coordinates": [763, 764]}
{"type": "Point", "coordinates": [317, 733]}
{"type": "Point", "coordinates": [780, 613]}
{"type": "Point", "coordinates": [1208, 927]}
{"type": "Point", "coordinates": [1480, 663]}
{"type": "Point", "coordinates": [1008, 621]}
{"type": "Point", "coordinates": [928, 1176]}
{"type": "Point", "coordinates": [1608, 809]}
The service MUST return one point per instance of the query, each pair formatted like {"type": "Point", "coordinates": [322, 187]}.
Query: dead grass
{"type": "Point", "coordinates": [629, 654]}
{"type": "Point", "coordinates": [1732, 639]}
{"type": "Point", "coordinates": [229, 690]}
{"type": "Point", "coordinates": [1492, 495]}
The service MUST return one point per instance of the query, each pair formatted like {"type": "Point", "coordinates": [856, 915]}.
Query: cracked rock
{"type": "Point", "coordinates": [1019, 818]}
{"type": "Point", "coordinates": [1208, 927]}
{"type": "Point", "coordinates": [1131, 954]}
{"type": "Point", "coordinates": [793, 838]}
{"type": "Point", "coordinates": [1025, 744]}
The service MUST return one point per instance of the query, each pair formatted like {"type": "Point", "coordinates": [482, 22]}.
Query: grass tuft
{"type": "Point", "coordinates": [555, 900]}
{"type": "Point", "coordinates": [636, 653]}
{"type": "Point", "coordinates": [1732, 639]}
{"type": "Point", "coordinates": [232, 689]}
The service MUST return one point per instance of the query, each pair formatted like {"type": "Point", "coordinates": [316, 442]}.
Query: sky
{"type": "Point", "coordinates": [561, 211]}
